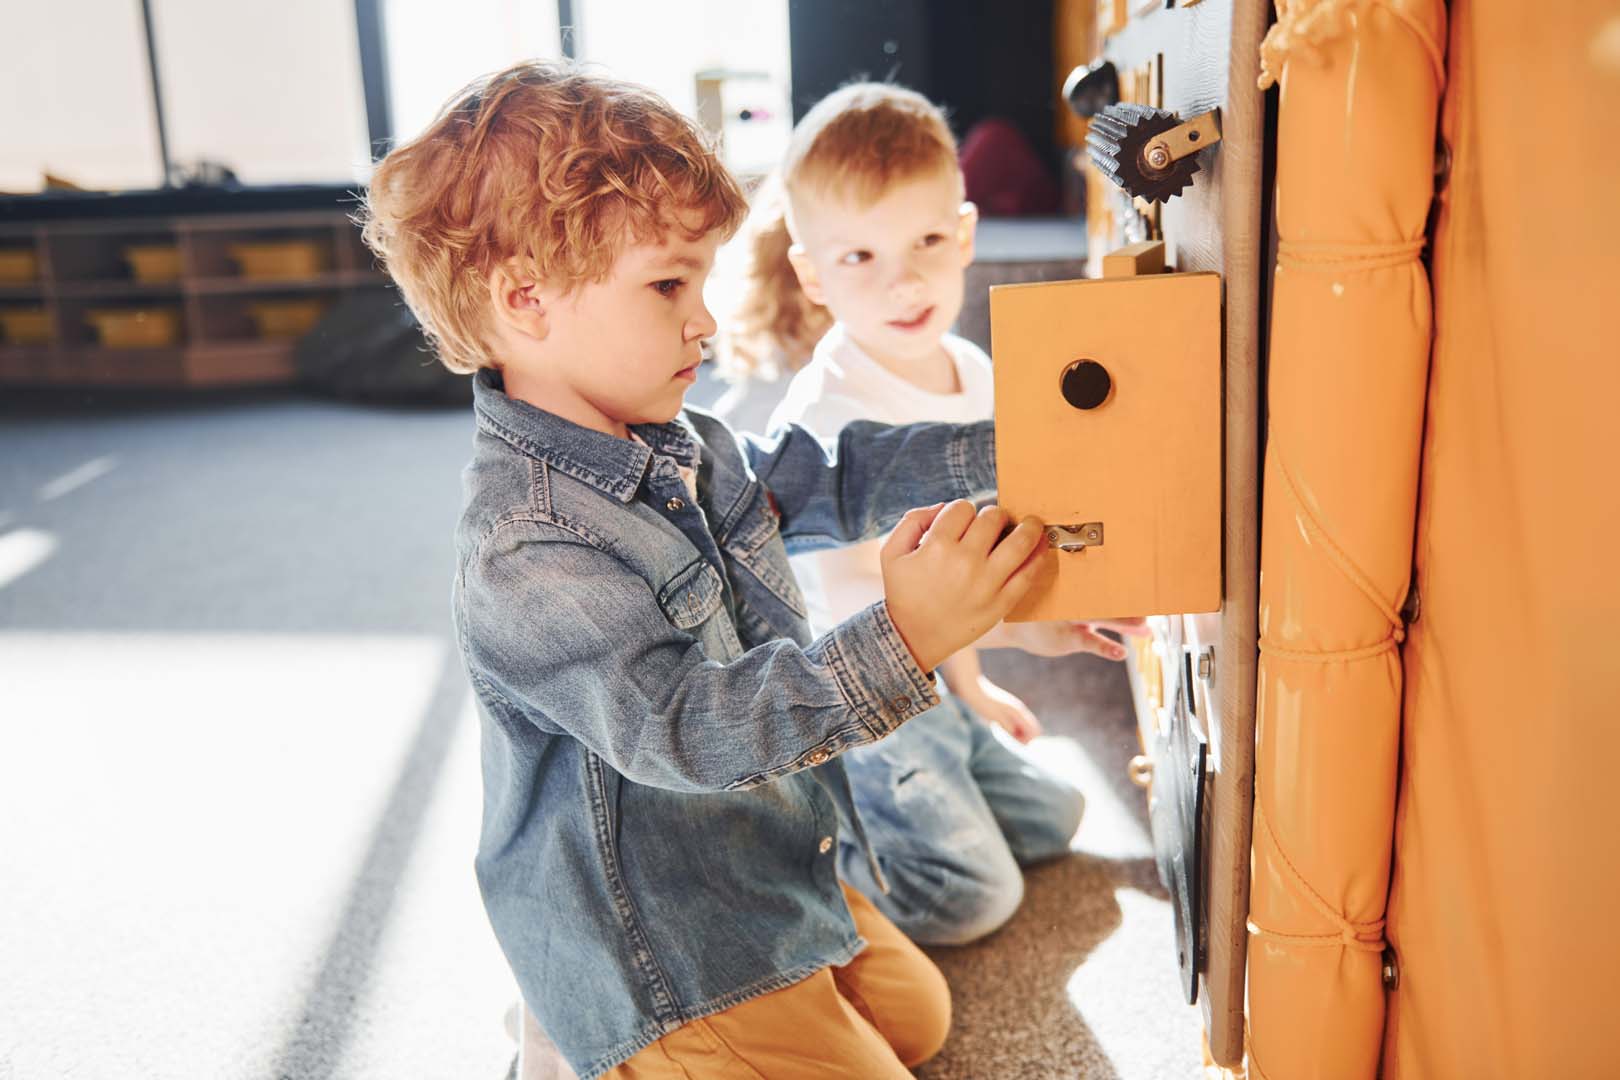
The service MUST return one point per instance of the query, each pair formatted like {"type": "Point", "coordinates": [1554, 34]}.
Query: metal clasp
{"type": "Point", "coordinates": [1075, 537]}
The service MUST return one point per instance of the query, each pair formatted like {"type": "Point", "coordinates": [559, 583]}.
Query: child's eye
{"type": "Point", "coordinates": [669, 286]}
{"type": "Point", "coordinates": [932, 239]}
{"type": "Point", "coordinates": [855, 258]}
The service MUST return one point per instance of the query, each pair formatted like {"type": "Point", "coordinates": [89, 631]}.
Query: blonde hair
{"type": "Point", "coordinates": [857, 142]}
{"type": "Point", "coordinates": [862, 139]}
{"type": "Point", "coordinates": [775, 326]}
{"type": "Point", "coordinates": [542, 163]}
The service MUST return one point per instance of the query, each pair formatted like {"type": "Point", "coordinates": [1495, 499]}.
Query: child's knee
{"type": "Point", "coordinates": [1068, 807]}
{"type": "Point", "coordinates": [956, 904]}
{"type": "Point", "coordinates": [927, 1018]}
{"type": "Point", "coordinates": [1048, 831]}
{"type": "Point", "coordinates": [977, 907]}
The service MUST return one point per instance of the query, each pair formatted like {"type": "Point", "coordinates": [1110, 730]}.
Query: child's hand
{"type": "Point", "coordinates": [949, 575]}
{"type": "Point", "coordinates": [1001, 708]}
{"type": "Point", "coordinates": [1063, 638]}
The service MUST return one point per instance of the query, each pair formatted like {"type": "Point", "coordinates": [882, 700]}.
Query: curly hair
{"type": "Point", "coordinates": [545, 164]}
{"type": "Point", "coordinates": [857, 142]}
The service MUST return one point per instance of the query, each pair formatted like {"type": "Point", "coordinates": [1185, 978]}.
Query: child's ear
{"type": "Point", "coordinates": [805, 270]}
{"type": "Point", "coordinates": [967, 224]}
{"type": "Point", "coordinates": [515, 299]}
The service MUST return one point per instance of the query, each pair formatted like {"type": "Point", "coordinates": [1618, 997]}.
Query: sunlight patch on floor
{"type": "Point", "coordinates": [185, 814]}
{"type": "Point", "coordinates": [23, 550]}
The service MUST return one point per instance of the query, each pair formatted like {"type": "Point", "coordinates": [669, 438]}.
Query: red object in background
{"type": "Point", "coordinates": [1004, 175]}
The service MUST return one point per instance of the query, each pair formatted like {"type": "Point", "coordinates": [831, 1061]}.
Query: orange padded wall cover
{"type": "Point", "coordinates": [1348, 362]}
{"type": "Point", "coordinates": [1507, 864]}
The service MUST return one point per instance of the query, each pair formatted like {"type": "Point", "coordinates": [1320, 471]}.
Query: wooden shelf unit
{"type": "Point", "coordinates": [82, 267]}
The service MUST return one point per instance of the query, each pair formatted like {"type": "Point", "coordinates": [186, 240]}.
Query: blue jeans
{"type": "Point", "coordinates": [953, 810]}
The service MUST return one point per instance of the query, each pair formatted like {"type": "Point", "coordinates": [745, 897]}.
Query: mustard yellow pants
{"type": "Point", "coordinates": [884, 1011]}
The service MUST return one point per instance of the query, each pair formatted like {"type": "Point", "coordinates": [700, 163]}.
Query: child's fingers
{"type": "Point", "coordinates": [1018, 546]}
{"type": "Point", "coordinates": [1028, 728]}
{"type": "Point", "coordinates": [1023, 575]}
{"type": "Point", "coordinates": [909, 533]}
{"type": "Point", "coordinates": [985, 530]}
{"type": "Point", "coordinates": [1136, 627]}
{"type": "Point", "coordinates": [1094, 643]}
{"type": "Point", "coordinates": [952, 522]}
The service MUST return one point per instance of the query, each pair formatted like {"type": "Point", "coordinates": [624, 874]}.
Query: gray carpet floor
{"type": "Point", "coordinates": [239, 786]}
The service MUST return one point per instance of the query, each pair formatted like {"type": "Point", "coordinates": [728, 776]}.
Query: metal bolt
{"type": "Point", "coordinates": [1158, 156]}
{"type": "Point", "coordinates": [1392, 970]}
{"type": "Point", "coordinates": [1206, 665]}
{"type": "Point", "coordinates": [1091, 535]}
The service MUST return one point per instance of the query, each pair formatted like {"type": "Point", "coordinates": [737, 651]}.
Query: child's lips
{"type": "Point", "coordinates": [688, 373]}
{"type": "Point", "coordinates": [915, 323]}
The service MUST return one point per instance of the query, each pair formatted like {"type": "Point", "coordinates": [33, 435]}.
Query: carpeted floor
{"type": "Point", "coordinates": [1082, 981]}
{"type": "Point", "coordinates": [239, 790]}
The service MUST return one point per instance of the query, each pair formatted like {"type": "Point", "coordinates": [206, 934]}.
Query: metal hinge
{"type": "Point", "coordinates": [1075, 537]}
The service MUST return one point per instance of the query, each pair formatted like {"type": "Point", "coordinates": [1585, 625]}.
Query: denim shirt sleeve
{"type": "Point", "coordinates": [858, 486]}
{"type": "Point", "coordinates": [577, 643]}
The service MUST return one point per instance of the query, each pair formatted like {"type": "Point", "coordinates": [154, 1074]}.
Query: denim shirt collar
{"type": "Point", "coordinates": [610, 464]}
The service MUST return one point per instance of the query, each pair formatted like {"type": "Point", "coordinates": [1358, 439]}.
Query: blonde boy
{"type": "Point", "coordinates": [881, 235]}
{"type": "Point", "coordinates": [660, 732]}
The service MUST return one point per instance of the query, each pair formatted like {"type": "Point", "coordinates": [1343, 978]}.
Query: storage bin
{"type": "Point", "coordinates": [135, 328]}
{"type": "Point", "coordinates": [272, 260]}
{"type": "Point", "coordinates": [18, 266]}
{"type": "Point", "coordinates": [286, 318]}
{"type": "Point", "coordinates": [153, 262]}
{"type": "Point", "coordinates": [25, 326]}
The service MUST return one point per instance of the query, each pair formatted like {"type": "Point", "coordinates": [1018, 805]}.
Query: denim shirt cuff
{"type": "Point", "coordinates": [877, 673]}
{"type": "Point", "coordinates": [972, 459]}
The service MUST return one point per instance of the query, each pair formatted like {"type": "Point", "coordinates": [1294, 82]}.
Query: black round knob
{"type": "Point", "coordinates": [1086, 384]}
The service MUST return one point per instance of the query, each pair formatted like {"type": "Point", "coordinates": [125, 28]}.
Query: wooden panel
{"type": "Point", "coordinates": [240, 363]}
{"type": "Point", "coordinates": [1207, 56]}
{"type": "Point", "coordinates": [1142, 257]}
{"type": "Point", "coordinates": [1145, 463]}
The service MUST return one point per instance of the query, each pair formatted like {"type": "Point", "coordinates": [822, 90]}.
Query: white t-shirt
{"type": "Point", "coordinates": [842, 383]}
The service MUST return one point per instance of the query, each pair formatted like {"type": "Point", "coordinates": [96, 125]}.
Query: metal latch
{"type": "Point", "coordinates": [1075, 537]}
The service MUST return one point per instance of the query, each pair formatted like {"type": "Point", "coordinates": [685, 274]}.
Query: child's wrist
{"type": "Point", "coordinates": [911, 642]}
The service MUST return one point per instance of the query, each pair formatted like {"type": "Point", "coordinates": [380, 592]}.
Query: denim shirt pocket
{"type": "Point", "coordinates": [692, 596]}
{"type": "Point", "coordinates": [755, 544]}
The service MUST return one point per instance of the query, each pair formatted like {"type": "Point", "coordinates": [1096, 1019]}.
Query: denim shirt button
{"type": "Point", "coordinates": [901, 703]}
{"type": "Point", "coordinates": [825, 845]}
{"type": "Point", "coordinates": [817, 757]}
{"type": "Point", "coordinates": [675, 503]}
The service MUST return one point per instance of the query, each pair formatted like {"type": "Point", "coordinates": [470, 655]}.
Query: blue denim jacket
{"type": "Point", "coordinates": [662, 791]}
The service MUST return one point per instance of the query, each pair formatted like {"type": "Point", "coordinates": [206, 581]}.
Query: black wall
{"type": "Point", "coordinates": [975, 58]}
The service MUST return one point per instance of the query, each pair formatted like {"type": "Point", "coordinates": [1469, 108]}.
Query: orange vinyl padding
{"type": "Point", "coordinates": [1506, 885]}
{"type": "Point", "coordinates": [1360, 86]}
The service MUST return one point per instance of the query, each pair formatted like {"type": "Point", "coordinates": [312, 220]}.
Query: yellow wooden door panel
{"type": "Point", "coordinates": [1145, 464]}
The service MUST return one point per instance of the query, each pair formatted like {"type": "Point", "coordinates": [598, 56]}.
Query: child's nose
{"type": "Point", "coordinates": [908, 283]}
{"type": "Point", "coordinates": [701, 324]}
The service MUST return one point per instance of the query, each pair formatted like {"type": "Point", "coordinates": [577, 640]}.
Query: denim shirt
{"type": "Point", "coordinates": [659, 732]}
